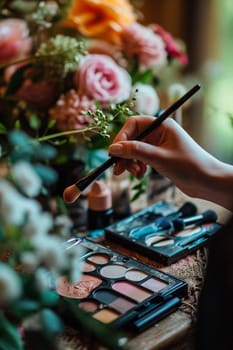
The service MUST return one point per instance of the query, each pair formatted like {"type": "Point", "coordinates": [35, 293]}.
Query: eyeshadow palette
{"type": "Point", "coordinates": [151, 232]}
{"type": "Point", "coordinates": [121, 291]}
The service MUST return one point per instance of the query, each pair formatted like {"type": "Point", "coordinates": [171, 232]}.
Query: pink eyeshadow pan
{"type": "Point", "coordinates": [122, 305]}
{"type": "Point", "coordinates": [154, 284]}
{"type": "Point", "coordinates": [132, 291]}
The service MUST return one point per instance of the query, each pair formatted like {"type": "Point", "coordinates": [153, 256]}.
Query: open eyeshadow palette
{"type": "Point", "coordinates": [151, 232]}
{"type": "Point", "coordinates": [121, 291]}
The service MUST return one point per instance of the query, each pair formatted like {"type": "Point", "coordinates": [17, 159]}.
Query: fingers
{"type": "Point", "coordinates": [136, 168]}
{"type": "Point", "coordinates": [133, 127]}
{"type": "Point", "coordinates": [138, 150]}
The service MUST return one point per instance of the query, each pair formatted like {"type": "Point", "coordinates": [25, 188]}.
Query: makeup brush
{"type": "Point", "coordinates": [205, 217]}
{"type": "Point", "coordinates": [71, 193]}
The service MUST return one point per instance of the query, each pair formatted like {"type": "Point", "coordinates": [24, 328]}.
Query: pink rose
{"type": "Point", "coordinates": [41, 94]}
{"type": "Point", "coordinates": [141, 42]}
{"type": "Point", "coordinates": [68, 112]}
{"type": "Point", "coordinates": [147, 100]}
{"type": "Point", "coordinates": [172, 47]}
{"type": "Point", "coordinates": [14, 40]}
{"type": "Point", "coordinates": [101, 47]}
{"type": "Point", "coordinates": [100, 78]}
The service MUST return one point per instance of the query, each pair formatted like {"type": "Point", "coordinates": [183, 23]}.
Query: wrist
{"type": "Point", "coordinates": [217, 183]}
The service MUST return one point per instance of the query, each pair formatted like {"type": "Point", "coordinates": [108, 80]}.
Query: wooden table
{"type": "Point", "coordinates": [175, 332]}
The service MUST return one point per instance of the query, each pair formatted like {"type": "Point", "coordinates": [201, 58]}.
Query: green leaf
{"type": "Point", "coordinates": [17, 124]}
{"type": "Point", "coordinates": [25, 307]}
{"type": "Point", "coordinates": [49, 298]}
{"type": "Point", "coordinates": [47, 175]}
{"type": "Point", "coordinates": [51, 123]}
{"type": "Point", "coordinates": [34, 121]}
{"type": "Point", "coordinates": [51, 323]}
{"type": "Point", "coordinates": [60, 142]}
{"type": "Point", "coordinates": [45, 152]}
{"type": "Point", "coordinates": [10, 338]}
{"type": "Point", "coordinates": [24, 6]}
{"type": "Point", "coordinates": [3, 129]}
{"type": "Point", "coordinates": [146, 76]}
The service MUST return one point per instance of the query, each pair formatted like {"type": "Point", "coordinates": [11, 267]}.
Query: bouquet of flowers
{"type": "Point", "coordinates": [71, 73]}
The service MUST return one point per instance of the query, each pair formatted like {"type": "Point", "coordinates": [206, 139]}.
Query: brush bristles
{"type": "Point", "coordinates": [71, 194]}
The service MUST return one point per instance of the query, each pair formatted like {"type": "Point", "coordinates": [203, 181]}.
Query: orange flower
{"type": "Point", "coordinates": [100, 18]}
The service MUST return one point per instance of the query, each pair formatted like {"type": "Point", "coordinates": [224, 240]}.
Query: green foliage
{"type": "Point", "coordinates": [139, 188]}
{"type": "Point", "coordinates": [51, 323]}
{"type": "Point", "coordinates": [10, 338]}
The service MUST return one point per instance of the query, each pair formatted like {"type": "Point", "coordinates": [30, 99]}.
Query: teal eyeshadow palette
{"type": "Point", "coordinates": [164, 245]}
{"type": "Point", "coordinates": [121, 291]}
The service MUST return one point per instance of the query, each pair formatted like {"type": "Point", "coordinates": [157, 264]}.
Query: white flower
{"type": "Point", "coordinates": [44, 279]}
{"type": "Point", "coordinates": [11, 209]}
{"type": "Point", "coordinates": [175, 91]}
{"type": "Point", "coordinates": [10, 284]}
{"type": "Point", "coordinates": [26, 178]}
{"type": "Point", "coordinates": [29, 261]}
{"type": "Point", "coordinates": [50, 251]}
{"type": "Point", "coordinates": [147, 100]}
{"type": "Point", "coordinates": [63, 225]}
{"type": "Point", "coordinates": [38, 223]}
{"type": "Point", "coordinates": [75, 270]}
{"type": "Point", "coordinates": [75, 264]}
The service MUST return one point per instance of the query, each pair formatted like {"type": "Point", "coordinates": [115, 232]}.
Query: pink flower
{"type": "Point", "coordinates": [147, 100]}
{"type": "Point", "coordinates": [100, 78]}
{"type": "Point", "coordinates": [172, 47]}
{"type": "Point", "coordinates": [14, 40]}
{"type": "Point", "coordinates": [68, 112]}
{"type": "Point", "coordinates": [97, 46]}
{"type": "Point", "coordinates": [141, 42]}
{"type": "Point", "coordinates": [41, 94]}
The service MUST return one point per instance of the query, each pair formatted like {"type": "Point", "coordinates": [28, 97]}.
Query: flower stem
{"type": "Point", "coordinates": [63, 133]}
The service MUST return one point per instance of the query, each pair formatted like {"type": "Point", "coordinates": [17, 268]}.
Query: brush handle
{"type": "Point", "coordinates": [89, 178]}
{"type": "Point", "coordinates": [158, 121]}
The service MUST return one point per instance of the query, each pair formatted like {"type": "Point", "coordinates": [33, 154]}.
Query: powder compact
{"type": "Point", "coordinates": [151, 232]}
{"type": "Point", "coordinates": [122, 292]}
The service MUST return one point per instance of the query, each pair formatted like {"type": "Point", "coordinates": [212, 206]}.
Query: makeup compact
{"type": "Point", "coordinates": [122, 292]}
{"type": "Point", "coordinates": [163, 232]}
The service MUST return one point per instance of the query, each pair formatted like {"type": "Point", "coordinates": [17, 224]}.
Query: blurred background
{"type": "Point", "coordinates": [206, 27]}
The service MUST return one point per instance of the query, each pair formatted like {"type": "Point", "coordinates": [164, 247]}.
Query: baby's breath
{"type": "Point", "coordinates": [59, 56]}
{"type": "Point", "coordinates": [115, 114]}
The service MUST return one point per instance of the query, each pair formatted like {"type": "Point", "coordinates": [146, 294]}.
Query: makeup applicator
{"type": "Point", "coordinates": [71, 193]}
{"type": "Point", "coordinates": [205, 217]}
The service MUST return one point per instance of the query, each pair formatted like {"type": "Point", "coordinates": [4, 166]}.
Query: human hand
{"type": "Point", "coordinates": [169, 149]}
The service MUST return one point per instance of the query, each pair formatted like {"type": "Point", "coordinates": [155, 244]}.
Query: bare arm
{"type": "Point", "coordinates": [174, 154]}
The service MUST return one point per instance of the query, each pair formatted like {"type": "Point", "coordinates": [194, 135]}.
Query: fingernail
{"type": "Point", "coordinates": [116, 149]}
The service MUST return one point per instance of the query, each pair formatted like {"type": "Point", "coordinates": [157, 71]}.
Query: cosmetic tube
{"type": "Point", "coordinates": [100, 212]}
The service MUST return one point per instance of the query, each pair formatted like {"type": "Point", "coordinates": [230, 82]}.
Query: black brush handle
{"type": "Point", "coordinates": [90, 177]}
{"type": "Point", "coordinates": [94, 174]}
{"type": "Point", "coordinates": [158, 121]}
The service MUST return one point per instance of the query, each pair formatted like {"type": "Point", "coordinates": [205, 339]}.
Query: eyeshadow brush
{"type": "Point", "coordinates": [71, 193]}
